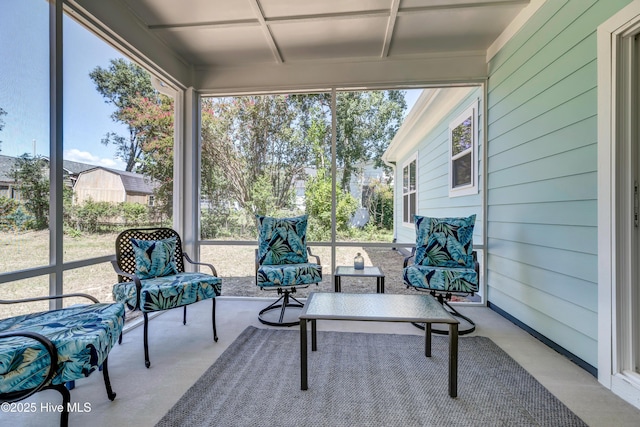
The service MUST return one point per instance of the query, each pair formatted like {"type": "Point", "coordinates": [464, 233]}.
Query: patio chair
{"type": "Point", "coordinates": [46, 350]}
{"type": "Point", "coordinates": [282, 264]}
{"type": "Point", "coordinates": [444, 262]}
{"type": "Point", "coordinates": [151, 276]}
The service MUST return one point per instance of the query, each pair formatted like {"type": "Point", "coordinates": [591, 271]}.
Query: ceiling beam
{"type": "Point", "coordinates": [377, 13]}
{"type": "Point", "coordinates": [267, 32]}
{"type": "Point", "coordinates": [391, 23]}
{"type": "Point", "coordinates": [318, 75]}
{"type": "Point", "coordinates": [424, 9]}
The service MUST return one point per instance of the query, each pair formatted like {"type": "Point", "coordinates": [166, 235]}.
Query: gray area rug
{"type": "Point", "coordinates": [358, 379]}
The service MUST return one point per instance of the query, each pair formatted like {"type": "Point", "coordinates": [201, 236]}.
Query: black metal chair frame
{"type": "Point", "coordinates": [125, 266]}
{"type": "Point", "coordinates": [444, 298]}
{"type": "Point", "coordinates": [17, 396]}
{"type": "Point", "coordinates": [284, 301]}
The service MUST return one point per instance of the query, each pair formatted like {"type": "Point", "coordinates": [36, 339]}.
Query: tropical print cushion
{"type": "Point", "coordinates": [441, 278]}
{"type": "Point", "coordinates": [288, 275]}
{"type": "Point", "coordinates": [282, 240]}
{"type": "Point", "coordinates": [444, 242]}
{"type": "Point", "coordinates": [155, 258]}
{"type": "Point", "coordinates": [162, 293]}
{"type": "Point", "coordinates": [83, 336]}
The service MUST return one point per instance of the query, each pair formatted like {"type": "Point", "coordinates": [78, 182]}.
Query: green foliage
{"type": "Point", "coordinates": [251, 144]}
{"type": "Point", "coordinates": [13, 216]}
{"type": "Point", "coordinates": [90, 214]}
{"type": "Point", "coordinates": [379, 203]}
{"type": "Point", "coordinates": [263, 201]}
{"type": "Point", "coordinates": [32, 182]}
{"type": "Point", "coordinates": [120, 84]}
{"type": "Point", "coordinates": [255, 148]}
{"type": "Point", "coordinates": [134, 213]}
{"type": "Point", "coordinates": [149, 117]}
{"type": "Point", "coordinates": [92, 217]}
{"type": "Point", "coordinates": [318, 206]}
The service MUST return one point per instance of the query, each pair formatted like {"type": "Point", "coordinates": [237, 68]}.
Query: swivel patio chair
{"type": "Point", "coordinates": [444, 262]}
{"type": "Point", "coordinates": [49, 349]}
{"type": "Point", "coordinates": [282, 264]}
{"type": "Point", "coordinates": [151, 276]}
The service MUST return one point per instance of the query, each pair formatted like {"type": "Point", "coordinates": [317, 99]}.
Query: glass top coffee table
{"type": "Point", "coordinates": [421, 308]}
{"type": "Point", "coordinates": [368, 271]}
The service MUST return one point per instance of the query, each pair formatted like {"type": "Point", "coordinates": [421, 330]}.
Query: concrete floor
{"type": "Point", "coordinates": [180, 354]}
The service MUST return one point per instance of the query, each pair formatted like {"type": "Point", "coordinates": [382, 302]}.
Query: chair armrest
{"type": "Point", "coordinates": [406, 260]}
{"type": "Point", "coordinates": [53, 365]}
{"type": "Point", "coordinates": [16, 301]}
{"type": "Point", "coordinates": [213, 269]}
{"type": "Point", "coordinates": [133, 277]}
{"type": "Point", "coordinates": [315, 256]}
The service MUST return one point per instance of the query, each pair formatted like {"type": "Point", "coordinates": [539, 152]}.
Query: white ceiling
{"type": "Point", "coordinates": [267, 43]}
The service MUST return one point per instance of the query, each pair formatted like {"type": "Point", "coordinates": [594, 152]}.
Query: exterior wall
{"type": "Point", "coordinates": [541, 177]}
{"type": "Point", "coordinates": [433, 176]}
{"type": "Point", "coordinates": [136, 198]}
{"type": "Point", "coordinates": [366, 174]}
{"type": "Point", "coordinates": [100, 186]}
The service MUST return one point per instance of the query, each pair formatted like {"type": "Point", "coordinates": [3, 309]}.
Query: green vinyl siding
{"type": "Point", "coordinates": [542, 174]}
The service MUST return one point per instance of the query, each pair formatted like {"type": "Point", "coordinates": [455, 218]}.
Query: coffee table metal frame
{"type": "Point", "coordinates": [422, 308]}
{"type": "Point", "coordinates": [368, 271]}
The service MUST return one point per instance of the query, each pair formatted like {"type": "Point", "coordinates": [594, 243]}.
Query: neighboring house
{"type": "Point", "coordinates": [71, 170]}
{"type": "Point", "coordinates": [7, 183]}
{"type": "Point", "coordinates": [360, 181]}
{"type": "Point", "coordinates": [102, 184]}
{"type": "Point", "coordinates": [426, 169]}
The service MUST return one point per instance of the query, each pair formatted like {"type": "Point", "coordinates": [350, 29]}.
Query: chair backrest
{"type": "Point", "coordinates": [444, 242]}
{"type": "Point", "coordinates": [125, 255]}
{"type": "Point", "coordinates": [282, 240]}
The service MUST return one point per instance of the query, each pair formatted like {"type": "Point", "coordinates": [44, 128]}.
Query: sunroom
{"type": "Point", "coordinates": [355, 97]}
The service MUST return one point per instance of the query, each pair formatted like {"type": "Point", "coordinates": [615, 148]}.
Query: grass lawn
{"type": "Point", "coordinates": [235, 264]}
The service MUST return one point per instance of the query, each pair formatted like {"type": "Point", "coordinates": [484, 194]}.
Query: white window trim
{"type": "Point", "coordinates": [412, 158]}
{"type": "Point", "coordinates": [472, 188]}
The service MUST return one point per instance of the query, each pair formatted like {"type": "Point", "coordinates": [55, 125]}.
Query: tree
{"type": "Point", "coordinates": [152, 120]}
{"type": "Point", "coordinates": [252, 146]}
{"type": "Point", "coordinates": [366, 124]}
{"type": "Point", "coordinates": [33, 185]}
{"type": "Point", "coordinates": [121, 84]}
{"type": "Point", "coordinates": [2, 113]}
{"type": "Point", "coordinates": [254, 149]}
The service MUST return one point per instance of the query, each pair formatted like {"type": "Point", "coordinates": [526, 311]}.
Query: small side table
{"type": "Point", "coordinates": [368, 271]}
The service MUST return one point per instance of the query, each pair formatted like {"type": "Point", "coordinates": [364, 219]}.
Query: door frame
{"type": "Point", "coordinates": [616, 109]}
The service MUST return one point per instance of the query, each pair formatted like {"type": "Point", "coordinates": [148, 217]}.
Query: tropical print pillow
{"type": "Point", "coordinates": [444, 242]}
{"type": "Point", "coordinates": [155, 258]}
{"type": "Point", "coordinates": [282, 240]}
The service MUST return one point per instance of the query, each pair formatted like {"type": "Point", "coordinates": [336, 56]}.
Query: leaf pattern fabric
{"type": "Point", "coordinates": [163, 293]}
{"type": "Point", "coordinates": [444, 242]}
{"type": "Point", "coordinates": [83, 336]}
{"type": "Point", "coordinates": [447, 279]}
{"type": "Point", "coordinates": [288, 275]}
{"type": "Point", "coordinates": [282, 240]}
{"type": "Point", "coordinates": [154, 258]}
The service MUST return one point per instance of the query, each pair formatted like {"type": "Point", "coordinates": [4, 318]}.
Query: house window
{"type": "Point", "coordinates": [463, 143]}
{"type": "Point", "coordinates": [409, 171]}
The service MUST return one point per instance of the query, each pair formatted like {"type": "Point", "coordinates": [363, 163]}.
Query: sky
{"type": "Point", "coordinates": [24, 87]}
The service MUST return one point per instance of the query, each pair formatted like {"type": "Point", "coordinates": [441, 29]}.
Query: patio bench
{"type": "Point", "coordinates": [48, 349]}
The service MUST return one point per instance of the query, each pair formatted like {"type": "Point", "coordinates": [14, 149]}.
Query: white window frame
{"type": "Point", "coordinates": [406, 164]}
{"type": "Point", "coordinates": [471, 188]}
